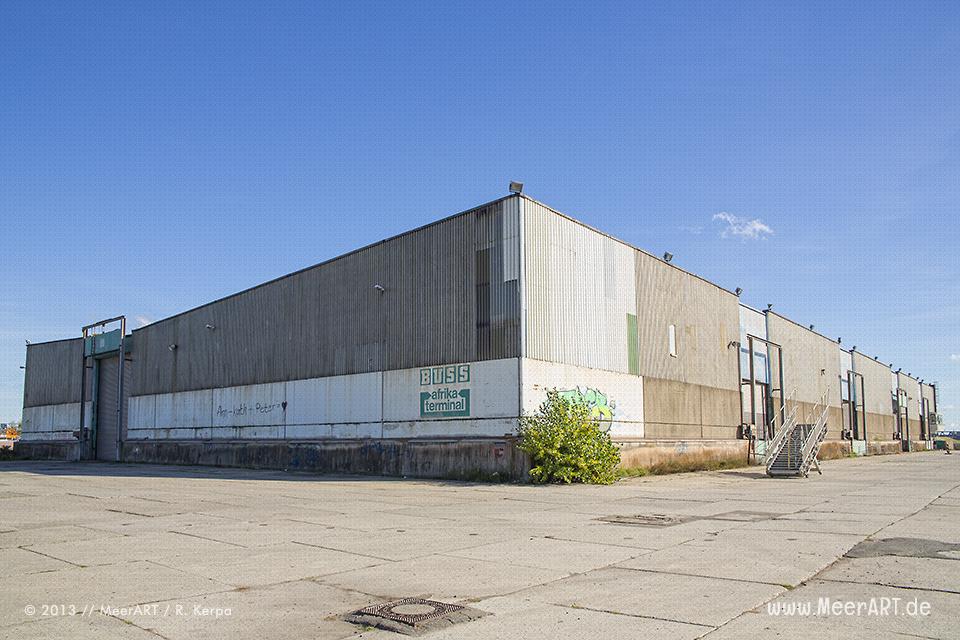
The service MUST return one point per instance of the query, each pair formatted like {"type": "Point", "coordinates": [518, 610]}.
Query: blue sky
{"type": "Point", "coordinates": [152, 159]}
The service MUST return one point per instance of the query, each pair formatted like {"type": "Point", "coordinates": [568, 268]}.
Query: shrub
{"type": "Point", "coordinates": [566, 444]}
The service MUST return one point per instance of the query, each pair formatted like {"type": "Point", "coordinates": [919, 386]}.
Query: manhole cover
{"type": "Point", "coordinates": [410, 610]}
{"type": "Point", "coordinates": [646, 520]}
{"type": "Point", "coordinates": [413, 616]}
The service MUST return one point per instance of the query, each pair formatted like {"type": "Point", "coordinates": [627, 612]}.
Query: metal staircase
{"type": "Point", "coordinates": [794, 448]}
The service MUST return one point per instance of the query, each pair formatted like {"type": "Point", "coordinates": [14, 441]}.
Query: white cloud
{"type": "Point", "coordinates": [955, 357]}
{"type": "Point", "coordinates": [737, 227]}
{"type": "Point", "coordinates": [143, 321]}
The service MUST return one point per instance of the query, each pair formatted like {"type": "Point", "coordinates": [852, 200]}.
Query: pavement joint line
{"type": "Point", "coordinates": [134, 624]}
{"type": "Point", "coordinates": [199, 537]}
{"type": "Point", "coordinates": [700, 575]}
{"type": "Point", "coordinates": [892, 586]}
{"type": "Point", "coordinates": [190, 573]}
{"type": "Point", "coordinates": [646, 550]}
{"type": "Point", "coordinates": [633, 615]}
{"type": "Point", "coordinates": [148, 499]}
{"type": "Point", "coordinates": [47, 555]}
{"type": "Point", "coordinates": [352, 553]}
{"type": "Point", "coordinates": [131, 513]}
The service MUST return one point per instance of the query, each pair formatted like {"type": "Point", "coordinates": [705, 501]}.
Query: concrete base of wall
{"type": "Point", "coordinates": [834, 449]}
{"type": "Point", "coordinates": [646, 453]}
{"type": "Point", "coordinates": [473, 459]}
{"type": "Point", "coordinates": [47, 450]}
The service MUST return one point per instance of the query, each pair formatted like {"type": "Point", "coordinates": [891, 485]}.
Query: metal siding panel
{"type": "Point", "coordinates": [876, 384]}
{"type": "Point", "coordinates": [330, 320]}
{"type": "Point", "coordinates": [108, 401]}
{"type": "Point", "coordinates": [52, 374]}
{"type": "Point", "coordinates": [805, 355]}
{"type": "Point", "coordinates": [570, 271]}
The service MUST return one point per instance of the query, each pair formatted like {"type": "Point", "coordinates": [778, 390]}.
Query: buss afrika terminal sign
{"type": "Point", "coordinates": [445, 391]}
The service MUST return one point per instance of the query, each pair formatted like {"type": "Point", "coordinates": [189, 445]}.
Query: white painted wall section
{"type": "Point", "coordinates": [409, 403]}
{"type": "Point", "coordinates": [614, 396]}
{"type": "Point", "coordinates": [54, 421]}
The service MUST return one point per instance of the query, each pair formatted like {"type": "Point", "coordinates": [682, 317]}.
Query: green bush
{"type": "Point", "coordinates": [566, 444]}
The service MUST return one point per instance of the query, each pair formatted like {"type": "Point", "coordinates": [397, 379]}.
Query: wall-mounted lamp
{"type": "Point", "coordinates": [733, 343]}
{"type": "Point", "coordinates": [172, 347]}
{"type": "Point", "coordinates": [667, 256]}
{"type": "Point", "coordinates": [28, 342]}
{"type": "Point", "coordinates": [823, 372]}
{"type": "Point", "coordinates": [516, 187]}
{"type": "Point", "coordinates": [23, 367]}
{"type": "Point", "coordinates": [379, 287]}
{"type": "Point", "coordinates": [769, 306]}
{"type": "Point", "coordinates": [738, 291]}
{"type": "Point", "coordinates": [210, 326]}
{"type": "Point", "coordinates": [853, 348]}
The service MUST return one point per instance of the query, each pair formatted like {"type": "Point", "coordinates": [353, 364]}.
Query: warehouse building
{"type": "Point", "coordinates": [418, 354]}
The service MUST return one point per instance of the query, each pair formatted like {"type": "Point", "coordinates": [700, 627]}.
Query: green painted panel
{"type": "Point", "coordinates": [103, 343]}
{"type": "Point", "coordinates": [633, 354]}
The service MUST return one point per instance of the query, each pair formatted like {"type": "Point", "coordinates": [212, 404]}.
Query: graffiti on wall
{"type": "Point", "coordinates": [244, 409]}
{"type": "Point", "coordinates": [601, 407]}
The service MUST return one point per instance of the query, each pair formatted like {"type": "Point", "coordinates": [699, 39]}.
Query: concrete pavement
{"type": "Point", "coordinates": [135, 551]}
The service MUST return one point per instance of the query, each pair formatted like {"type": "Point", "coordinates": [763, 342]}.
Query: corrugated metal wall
{"type": "Point", "coordinates": [876, 383]}
{"type": "Point", "coordinates": [706, 320]}
{"type": "Point", "coordinates": [579, 290]}
{"type": "Point", "coordinates": [330, 320]}
{"type": "Point", "coordinates": [53, 372]}
{"type": "Point", "coordinates": [912, 387]}
{"type": "Point", "coordinates": [811, 362]}
{"type": "Point", "coordinates": [581, 286]}
{"type": "Point", "coordinates": [928, 393]}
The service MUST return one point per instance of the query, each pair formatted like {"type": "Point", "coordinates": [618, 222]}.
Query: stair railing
{"type": "Point", "coordinates": [782, 436]}
{"type": "Point", "coordinates": [811, 445]}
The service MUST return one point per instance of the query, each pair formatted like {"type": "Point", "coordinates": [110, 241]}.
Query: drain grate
{"type": "Point", "coordinates": [410, 611]}
{"type": "Point", "coordinates": [646, 520]}
{"type": "Point", "coordinates": [413, 616]}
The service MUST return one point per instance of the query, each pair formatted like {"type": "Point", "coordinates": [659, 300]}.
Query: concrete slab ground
{"type": "Point", "coordinates": [118, 551]}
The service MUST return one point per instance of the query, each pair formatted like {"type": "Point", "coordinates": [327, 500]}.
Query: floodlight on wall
{"type": "Point", "coordinates": [516, 187]}
{"type": "Point", "coordinates": [853, 348]}
{"type": "Point", "coordinates": [738, 291]}
{"type": "Point", "coordinates": [811, 327]}
{"type": "Point", "coordinates": [210, 326]}
{"type": "Point", "coordinates": [839, 340]}
{"type": "Point", "coordinates": [769, 307]}
{"type": "Point", "coordinates": [379, 287]}
{"type": "Point", "coordinates": [667, 256]}
{"type": "Point", "coordinates": [23, 367]}
{"type": "Point", "coordinates": [172, 347]}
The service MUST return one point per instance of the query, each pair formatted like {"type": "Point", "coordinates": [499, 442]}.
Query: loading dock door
{"type": "Point", "coordinates": [108, 403]}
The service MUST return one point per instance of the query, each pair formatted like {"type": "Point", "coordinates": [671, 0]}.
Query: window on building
{"type": "Point", "coordinates": [672, 338]}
